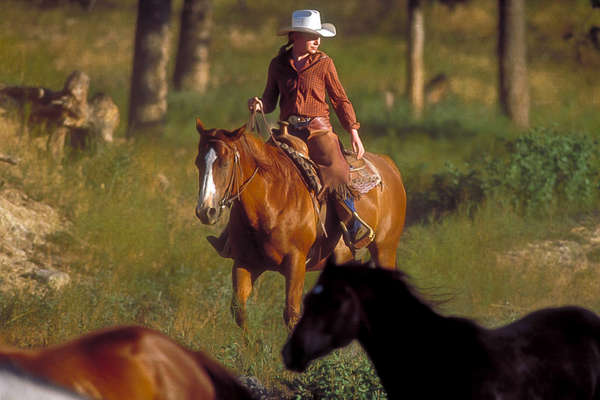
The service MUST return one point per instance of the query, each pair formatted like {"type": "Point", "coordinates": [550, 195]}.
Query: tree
{"type": "Point", "coordinates": [148, 97]}
{"type": "Point", "coordinates": [415, 82]}
{"type": "Point", "coordinates": [415, 67]}
{"type": "Point", "coordinates": [512, 49]}
{"type": "Point", "coordinates": [192, 63]}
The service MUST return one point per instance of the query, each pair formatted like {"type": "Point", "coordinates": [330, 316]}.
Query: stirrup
{"type": "Point", "coordinates": [364, 236]}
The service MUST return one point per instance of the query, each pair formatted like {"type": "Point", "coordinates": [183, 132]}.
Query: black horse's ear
{"type": "Point", "coordinates": [200, 126]}
{"type": "Point", "coordinates": [331, 262]}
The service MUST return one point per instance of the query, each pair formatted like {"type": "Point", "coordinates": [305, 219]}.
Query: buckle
{"type": "Point", "coordinates": [297, 120]}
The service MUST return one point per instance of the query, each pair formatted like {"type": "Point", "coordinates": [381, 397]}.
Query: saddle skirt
{"type": "Point", "coordinates": [364, 176]}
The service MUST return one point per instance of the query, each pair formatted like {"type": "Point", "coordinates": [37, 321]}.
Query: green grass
{"type": "Point", "coordinates": [139, 254]}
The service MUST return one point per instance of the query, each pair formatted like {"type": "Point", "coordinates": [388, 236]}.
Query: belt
{"type": "Point", "coordinates": [297, 120]}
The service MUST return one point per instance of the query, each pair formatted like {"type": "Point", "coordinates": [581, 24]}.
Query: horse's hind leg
{"type": "Point", "coordinates": [383, 255]}
{"type": "Point", "coordinates": [243, 280]}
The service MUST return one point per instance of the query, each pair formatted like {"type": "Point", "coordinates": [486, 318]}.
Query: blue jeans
{"type": "Point", "coordinates": [354, 225]}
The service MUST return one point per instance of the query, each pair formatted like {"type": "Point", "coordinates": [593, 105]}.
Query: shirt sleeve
{"type": "Point", "coordinates": [271, 92]}
{"type": "Point", "coordinates": [339, 100]}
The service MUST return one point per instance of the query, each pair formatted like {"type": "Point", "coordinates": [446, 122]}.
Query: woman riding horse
{"type": "Point", "coordinates": [301, 76]}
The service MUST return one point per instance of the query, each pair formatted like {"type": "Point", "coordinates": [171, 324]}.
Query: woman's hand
{"type": "Point", "coordinates": [255, 104]}
{"type": "Point", "coordinates": [357, 145]}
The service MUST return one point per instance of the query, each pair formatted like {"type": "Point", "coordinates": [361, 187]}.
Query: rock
{"type": "Point", "coordinates": [258, 390]}
{"type": "Point", "coordinates": [25, 225]}
{"type": "Point", "coordinates": [55, 279]}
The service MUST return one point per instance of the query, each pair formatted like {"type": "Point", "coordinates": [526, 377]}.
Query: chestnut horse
{"type": "Point", "coordinates": [552, 353]}
{"type": "Point", "coordinates": [273, 224]}
{"type": "Point", "coordinates": [132, 363]}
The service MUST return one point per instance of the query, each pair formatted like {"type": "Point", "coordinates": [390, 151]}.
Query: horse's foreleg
{"type": "Point", "coordinates": [242, 288]}
{"type": "Point", "coordinates": [294, 271]}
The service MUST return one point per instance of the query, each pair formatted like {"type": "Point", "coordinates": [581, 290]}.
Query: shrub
{"type": "Point", "coordinates": [544, 169]}
{"type": "Point", "coordinates": [450, 189]}
{"type": "Point", "coordinates": [538, 173]}
{"type": "Point", "coordinates": [338, 377]}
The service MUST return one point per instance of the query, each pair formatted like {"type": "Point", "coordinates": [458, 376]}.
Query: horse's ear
{"type": "Point", "coordinates": [200, 126]}
{"type": "Point", "coordinates": [237, 133]}
{"type": "Point", "coordinates": [331, 262]}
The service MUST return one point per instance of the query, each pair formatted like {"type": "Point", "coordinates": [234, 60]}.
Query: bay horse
{"type": "Point", "coordinates": [132, 363]}
{"type": "Point", "coordinates": [552, 353]}
{"type": "Point", "coordinates": [273, 224]}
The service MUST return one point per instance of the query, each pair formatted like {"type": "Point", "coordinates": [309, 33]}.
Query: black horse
{"type": "Point", "coordinates": [552, 353]}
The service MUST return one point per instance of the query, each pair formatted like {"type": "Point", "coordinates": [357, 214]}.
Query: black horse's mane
{"type": "Point", "coordinates": [389, 281]}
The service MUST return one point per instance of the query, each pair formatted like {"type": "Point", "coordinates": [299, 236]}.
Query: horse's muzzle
{"type": "Point", "coordinates": [208, 215]}
{"type": "Point", "coordinates": [293, 359]}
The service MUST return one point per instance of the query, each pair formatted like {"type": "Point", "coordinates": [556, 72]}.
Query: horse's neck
{"type": "Point", "coordinates": [8, 353]}
{"type": "Point", "coordinates": [271, 166]}
{"type": "Point", "coordinates": [406, 339]}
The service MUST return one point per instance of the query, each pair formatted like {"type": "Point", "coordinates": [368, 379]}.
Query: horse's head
{"type": "Point", "coordinates": [330, 320]}
{"type": "Point", "coordinates": [217, 162]}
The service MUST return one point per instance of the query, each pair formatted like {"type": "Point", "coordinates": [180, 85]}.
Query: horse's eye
{"type": "Point", "coordinates": [317, 289]}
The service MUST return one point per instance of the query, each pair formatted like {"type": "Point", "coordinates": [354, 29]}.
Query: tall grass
{"type": "Point", "coordinates": [137, 252]}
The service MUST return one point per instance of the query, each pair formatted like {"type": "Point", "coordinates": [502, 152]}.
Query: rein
{"type": "Point", "coordinates": [262, 127]}
{"type": "Point", "coordinates": [229, 197]}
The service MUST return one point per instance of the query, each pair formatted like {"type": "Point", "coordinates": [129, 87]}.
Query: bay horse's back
{"type": "Point", "coordinates": [132, 363]}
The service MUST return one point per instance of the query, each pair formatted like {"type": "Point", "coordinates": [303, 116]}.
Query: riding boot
{"type": "Point", "coordinates": [355, 231]}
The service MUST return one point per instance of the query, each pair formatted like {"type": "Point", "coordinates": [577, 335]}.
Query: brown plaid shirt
{"type": "Point", "coordinates": [303, 92]}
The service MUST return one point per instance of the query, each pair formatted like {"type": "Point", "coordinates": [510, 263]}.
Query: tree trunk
{"type": "Point", "coordinates": [415, 67]}
{"type": "Point", "coordinates": [192, 64]}
{"type": "Point", "coordinates": [512, 49]}
{"type": "Point", "coordinates": [148, 97]}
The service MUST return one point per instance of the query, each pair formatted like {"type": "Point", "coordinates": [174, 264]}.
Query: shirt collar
{"type": "Point", "coordinates": [312, 58]}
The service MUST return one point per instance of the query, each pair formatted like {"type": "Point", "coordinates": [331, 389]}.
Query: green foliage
{"type": "Point", "coordinates": [539, 173]}
{"type": "Point", "coordinates": [544, 169]}
{"type": "Point", "coordinates": [338, 377]}
{"type": "Point", "coordinates": [108, 169]}
{"type": "Point", "coordinates": [450, 189]}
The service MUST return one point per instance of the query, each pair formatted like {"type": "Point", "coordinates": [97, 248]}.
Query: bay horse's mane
{"type": "Point", "coordinates": [270, 160]}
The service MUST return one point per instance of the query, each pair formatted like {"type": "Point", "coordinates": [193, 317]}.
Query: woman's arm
{"type": "Point", "coordinates": [343, 108]}
{"type": "Point", "coordinates": [271, 92]}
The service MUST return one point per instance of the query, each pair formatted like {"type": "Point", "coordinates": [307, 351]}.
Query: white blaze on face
{"type": "Point", "coordinates": [208, 189]}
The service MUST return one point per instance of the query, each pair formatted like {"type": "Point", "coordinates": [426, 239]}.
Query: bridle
{"type": "Point", "coordinates": [234, 179]}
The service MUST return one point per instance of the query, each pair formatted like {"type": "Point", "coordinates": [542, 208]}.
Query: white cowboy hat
{"type": "Point", "coordinates": [308, 21]}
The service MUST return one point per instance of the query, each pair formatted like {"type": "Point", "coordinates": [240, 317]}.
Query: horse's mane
{"type": "Point", "coordinates": [384, 281]}
{"type": "Point", "coordinates": [226, 385]}
{"type": "Point", "coordinates": [393, 287]}
{"type": "Point", "coordinates": [269, 159]}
